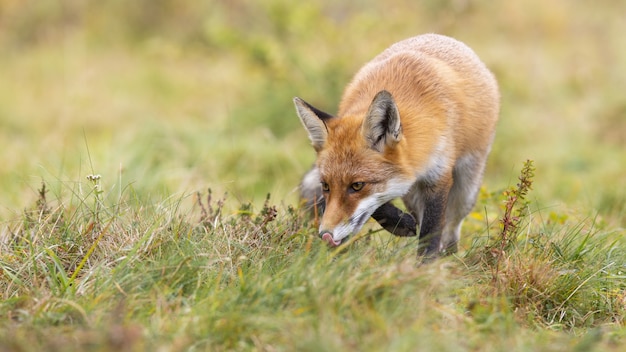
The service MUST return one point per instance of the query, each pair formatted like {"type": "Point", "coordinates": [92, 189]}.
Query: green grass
{"type": "Point", "coordinates": [147, 276]}
{"type": "Point", "coordinates": [167, 101]}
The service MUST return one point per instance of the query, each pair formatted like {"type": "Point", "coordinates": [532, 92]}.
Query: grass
{"type": "Point", "coordinates": [114, 133]}
{"type": "Point", "coordinates": [146, 276]}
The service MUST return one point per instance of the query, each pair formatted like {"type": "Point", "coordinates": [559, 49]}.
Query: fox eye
{"type": "Point", "coordinates": [357, 186]}
{"type": "Point", "coordinates": [325, 187]}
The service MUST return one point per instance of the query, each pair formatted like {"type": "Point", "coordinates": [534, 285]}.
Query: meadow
{"type": "Point", "coordinates": [150, 156]}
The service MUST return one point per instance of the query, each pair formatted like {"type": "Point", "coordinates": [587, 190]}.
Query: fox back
{"type": "Point", "coordinates": [417, 122]}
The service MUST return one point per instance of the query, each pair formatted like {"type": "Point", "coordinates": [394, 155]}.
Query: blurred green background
{"type": "Point", "coordinates": [170, 97]}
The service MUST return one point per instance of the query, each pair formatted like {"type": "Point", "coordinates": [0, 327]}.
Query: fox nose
{"type": "Point", "coordinates": [328, 238]}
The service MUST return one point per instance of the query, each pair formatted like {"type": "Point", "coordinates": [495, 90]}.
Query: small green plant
{"type": "Point", "coordinates": [210, 214]}
{"type": "Point", "coordinates": [516, 205]}
{"type": "Point", "coordinates": [515, 208]}
{"type": "Point", "coordinates": [97, 197]}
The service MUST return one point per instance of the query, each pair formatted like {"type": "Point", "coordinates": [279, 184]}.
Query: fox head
{"type": "Point", "coordinates": [355, 158]}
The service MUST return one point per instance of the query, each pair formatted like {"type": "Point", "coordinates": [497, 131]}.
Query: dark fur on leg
{"type": "Point", "coordinates": [395, 220]}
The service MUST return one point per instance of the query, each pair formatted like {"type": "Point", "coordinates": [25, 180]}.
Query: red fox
{"type": "Point", "coordinates": [417, 123]}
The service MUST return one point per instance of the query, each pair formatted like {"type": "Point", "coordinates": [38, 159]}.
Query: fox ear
{"type": "Point", "coordinates": [313, 121]}
{"type": "Point", "coordinates": [381, 127]}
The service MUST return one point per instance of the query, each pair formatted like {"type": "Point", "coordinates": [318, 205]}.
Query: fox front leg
{"type": "Point", "coordinates": [395, 220]}
{"type": "Point", "coordinates": [428, 203]}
